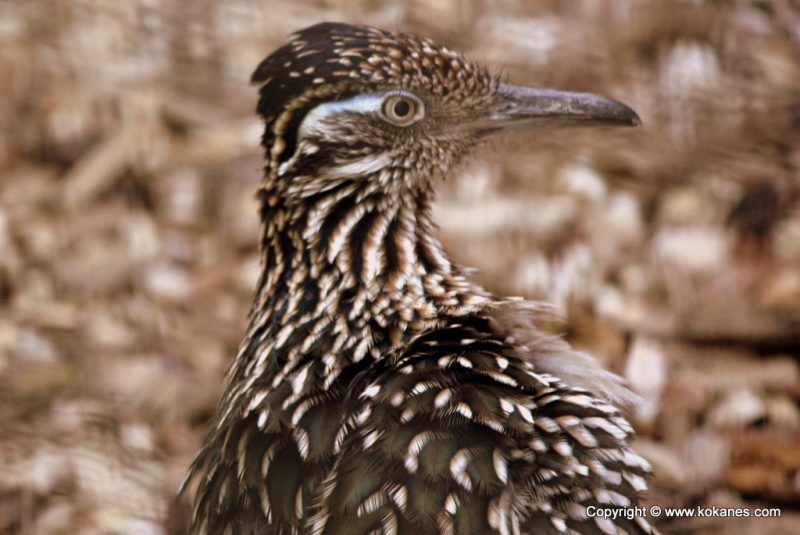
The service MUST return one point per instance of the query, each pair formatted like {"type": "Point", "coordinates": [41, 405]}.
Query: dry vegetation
{"type": "Point", "coordinates": [128, 154]}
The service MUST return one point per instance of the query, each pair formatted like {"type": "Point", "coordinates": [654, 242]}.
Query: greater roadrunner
{"type": "Point", "coordinates": [377, 390]}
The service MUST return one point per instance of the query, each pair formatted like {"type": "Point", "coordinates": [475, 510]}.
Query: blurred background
{"type": "Point", "coordinates": [129, 153]}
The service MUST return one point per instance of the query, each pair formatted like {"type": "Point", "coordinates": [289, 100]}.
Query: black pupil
{"type": "Point", "coordinates": [402, 108]}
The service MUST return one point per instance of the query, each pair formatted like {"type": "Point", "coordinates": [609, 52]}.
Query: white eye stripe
{"type": "Point", "coordinates": [371, 103]}
{"type": "Point", "coordinates": [360, 103]}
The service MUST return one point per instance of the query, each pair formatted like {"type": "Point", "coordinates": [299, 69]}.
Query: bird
{"type": "Point", "coordinates": [377, 390]}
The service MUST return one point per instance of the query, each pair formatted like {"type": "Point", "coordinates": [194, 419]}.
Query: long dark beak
{"type": "Point", "coordinates": [532, 108]}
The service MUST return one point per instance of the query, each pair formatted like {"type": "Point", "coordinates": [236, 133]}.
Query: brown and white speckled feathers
{"type": "Point", "coordinates": [470, 435]}
{"type": "Point", "coordinates": [377, 390]}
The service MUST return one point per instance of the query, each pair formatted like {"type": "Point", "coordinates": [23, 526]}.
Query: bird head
{"type": "Point", "coordinates": [352, 104]}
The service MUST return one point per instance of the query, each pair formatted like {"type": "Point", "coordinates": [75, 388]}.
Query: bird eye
{"type": "Point", "coordinates": [402, 109]}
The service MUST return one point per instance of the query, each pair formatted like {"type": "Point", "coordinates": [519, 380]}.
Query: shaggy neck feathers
{"type": "Point", "coordinates": [355, 275]}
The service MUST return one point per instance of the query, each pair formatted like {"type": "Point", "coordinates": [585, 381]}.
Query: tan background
{"type": "Point", "coordinates": [128, 154]}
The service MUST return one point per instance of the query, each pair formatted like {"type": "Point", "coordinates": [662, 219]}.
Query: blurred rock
{"type": "Point", "coordinates": [732, 317]}
{"type": "Point", "coordinates": [583, 182]}
{"type": "Point", "coordinates": [32, 345]}
{"type": "Point", "coordinates": [183, 197]}
{"type": "Point", "coordinates": [475, 183]}
{"type": "Point", "coordinates": [95, 266]}
{"type": "Point", "coordinates": [757, 211]}
{"type": "Point", "coordinates": [685, 206]}
{"type": "Point", "coordinates": [616, 228]}
{"type": "Point", "coordinates": [46, 312]}
{"type": "Point", "coordinates": [133, 382]}
{"type": "Point", "coordinates": [72, 417]}
{"type": "Point", "coordinates": [766, 464]}
{"type": "Point", "coordinates": [718, 370]}
{"type": "Point", "coordinates": [39, 239]}
{"type": "Point", "coordinates": [180, 245]}
{"type": "Point", "coordinates": [95, 171]}
{"type": "Point", "coordinates": [646, 373]}
{"type": "Point", "coordinates": [786, 244]}
{"type": "Point", "coordinates": [138, 437]}
{"type": "Point", "coordinates": [6, 245]}
{"type": "Point", "coordinates": [782, 292]}
{"type": "Point", "coordinates": [782, 411]}
{"type": "Point", "coordinates": [142, 237]}
{"type": "Point", "coordinates": [707, 456]}
{"type": "Point", "coordinates": [204, 353]}
{"type": "Point", "coordinates": [689, 70]}
{"type": "Point", "coordinates": [57, 518]}
{"type": "Point", "coordinates": [738, 408]}
{"type": "Point", "coordinates": [515, 40]}
{"type": "Point", "coordinates": [27, 186]}
{"type": "Point", "coordinates": [634, 314]}
{"type": "Point", "coordinates": [696, 250]}
{"type": "Point", "coordinates": [168, 282]}
{"type": "Point", "coordinates": [545, 215]}
{"type": "Point", "coordinates": [442, 15]}
{"type": "Point", "coordinates": [10, 260]}
{"type": "Point", "coordinates": [105, 328]}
